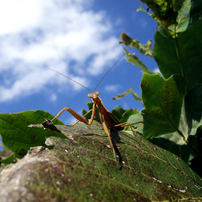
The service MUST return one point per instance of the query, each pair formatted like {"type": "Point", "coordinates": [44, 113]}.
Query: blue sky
{"type": "Point", "coordinates": [77, 38]}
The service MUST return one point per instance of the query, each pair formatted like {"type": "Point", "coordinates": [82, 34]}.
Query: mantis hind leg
{"type": "Point", "coordinates": [110, 140]}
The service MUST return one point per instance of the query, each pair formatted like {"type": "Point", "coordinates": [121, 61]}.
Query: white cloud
{"type": "Point", "coordinates": [70, 121]}
{"type": "Point", "coordinates": [18, 15]}
{"type": "Point", "coordinates": [111, 88]}
{"type": "Point", "coordinates": [143, 22]}
{"type": "Point", "coordinates": [53, 97]}
{"type": "Point", "coordinates": [156, 70]}
{"type": "Point", "coordinates": [36, 35]}
{"type": "Point", "coordinates": [125, 106]}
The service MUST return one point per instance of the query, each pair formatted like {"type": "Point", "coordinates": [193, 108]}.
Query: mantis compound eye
{"type": "Point", "coordinates": [90, 95]}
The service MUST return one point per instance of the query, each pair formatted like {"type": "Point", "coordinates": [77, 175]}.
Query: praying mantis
{"type": "Point", "coordinates": [107, 119]}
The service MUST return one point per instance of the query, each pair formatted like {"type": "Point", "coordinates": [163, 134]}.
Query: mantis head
{"type": "Point", "coordinates": [93, 95]}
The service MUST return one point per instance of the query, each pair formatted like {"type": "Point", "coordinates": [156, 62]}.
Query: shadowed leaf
{"type": "Point", "coordinates": [162, 100]}
{"type": "Point", "coordinates": [181, 55]}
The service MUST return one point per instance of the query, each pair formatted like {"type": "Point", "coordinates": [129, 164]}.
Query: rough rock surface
{"type": "Point", "coordinates": [15, 177]}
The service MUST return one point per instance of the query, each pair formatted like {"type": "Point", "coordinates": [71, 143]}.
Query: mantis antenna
{"type": "Point", "coordinates": [70, 79]}
{"type": "Point", "coordinates": [109, 71]}
{"type": "Point", "coordinates": [99, 81]}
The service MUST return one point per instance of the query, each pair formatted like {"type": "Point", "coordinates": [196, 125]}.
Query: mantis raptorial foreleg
{"type": "Point", "coordinates": [56, 117]}
{"type": "Point", "coordinates": [83, 120]}
{"type": "Point", "coordinates": [77, 116]}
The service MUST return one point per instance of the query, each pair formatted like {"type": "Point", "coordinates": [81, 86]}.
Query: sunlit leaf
{"type": "Point", "coordinates": [130, 90]}
{"type": "Point", "coordinates": [18, 137]}
{"type": "Point", "coordinates": [145, 49]}
{"type": "Point", "coordinates": [87, 160]}
{"type": "Point", "coordinates": [136, 61]}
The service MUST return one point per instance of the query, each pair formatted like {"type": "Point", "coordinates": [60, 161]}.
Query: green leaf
{"type": "Point", "coordinates": [118, 112]}
{"type": "Point", "coordinates": [127, 114]}
{"type": "Point", "coordinates": [6, 156]}
{"type": "Point", "coordinates": [173, 143]}
{"type": "Point", "coordinates": [162, 100]}
{"type": "Point", "coordinates": [164, 11]}
{"type": "Point", "coordinates": [18, 137]}
{"type": "Point", "coordinates": [136, 61]}
{"type": "Point", "coordinates": [183, 17]}
{"type": "Point", "coordinates": [145, 49]}
{"type": "Point", "coordinates": [86, 160]}
{"type": "Point", "coordinates": [190, 12]}
{"type": "Point", "coordinates": [130, 90]}
{"type": "Point", "coordinates": [186, 147]}
{"type": "Point", "coordinates": [179, 140]}
{"type": "Point", "coordinates": [9, 159]}
{"type": "Point", "coordinates": [127, 40]}
{"type": "Point", "coordinates": [193, 109]}
{"type": "Point", "coordinates": [159, 8]}
{"type": "Point", "coordinates": [136, 118]}
{"type": "Point", "coordinates": [181, 55]}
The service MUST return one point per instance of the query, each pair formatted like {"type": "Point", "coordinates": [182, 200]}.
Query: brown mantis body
{"type": "Point", "coordinates": [107, 119]}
